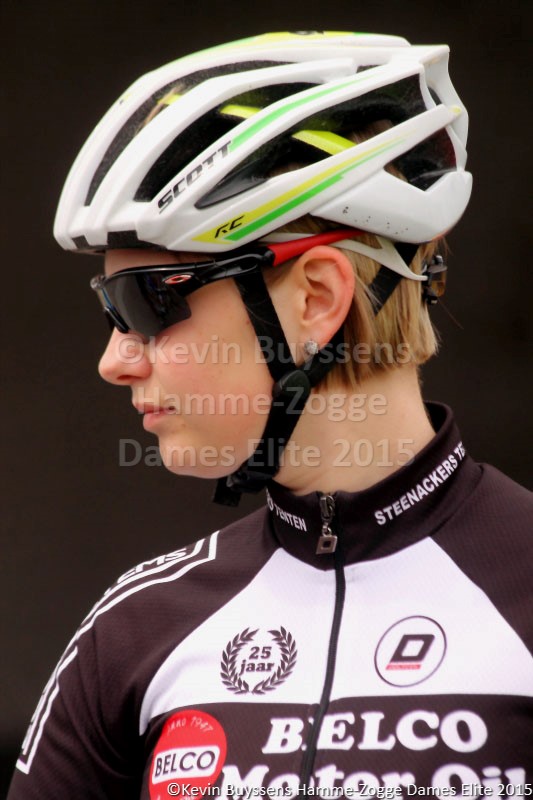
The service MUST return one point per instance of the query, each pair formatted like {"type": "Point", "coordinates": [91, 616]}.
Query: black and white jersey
{"type": "Point", "coordinates": [396, 661]}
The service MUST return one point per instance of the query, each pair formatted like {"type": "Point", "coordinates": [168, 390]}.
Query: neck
{"type": "Point", "coordinates": [349, 441]}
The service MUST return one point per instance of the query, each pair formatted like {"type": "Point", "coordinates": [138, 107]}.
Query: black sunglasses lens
{"type": "Point", "coordinates": [145, 303]}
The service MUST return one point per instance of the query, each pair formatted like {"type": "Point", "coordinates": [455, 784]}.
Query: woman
{"type": "Point", "coordinates": [265, 209]}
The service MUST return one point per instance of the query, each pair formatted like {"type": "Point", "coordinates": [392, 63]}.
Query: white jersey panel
{"type": "Point", "coordinates": [287, 595]}
{"type": "Point", "coordinates": [414, 623]}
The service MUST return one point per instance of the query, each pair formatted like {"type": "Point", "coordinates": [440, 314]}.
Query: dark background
{"type": "Point", "coordinates": [74, 519]}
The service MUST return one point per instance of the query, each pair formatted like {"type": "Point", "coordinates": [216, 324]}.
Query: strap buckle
{"type": "Point", "coordinates": [434, 287]}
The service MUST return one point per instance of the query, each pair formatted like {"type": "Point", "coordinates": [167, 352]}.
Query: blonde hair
{"type": "Point", "coordinates": [401, 333]}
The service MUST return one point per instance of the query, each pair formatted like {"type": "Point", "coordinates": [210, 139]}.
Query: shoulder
{"type": "Point", "coordinates": [149, 611]}
{"type": "Point", "coordinates": [95, 692]}
{"type": "Point", "coordinates": [496, 510]}
{"type": "Point", "coordinates": [490, 538]}
{"type": "Point", "coordinates": [499, 512]}
{"type": "Point", "coordinates": [497, 517]}
{"type": "Point", "coordinates": [197, 575]}
{"type": "Point", "coordinates": [504, 500]}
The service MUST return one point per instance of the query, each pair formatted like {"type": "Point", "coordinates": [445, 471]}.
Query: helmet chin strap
{"type": "Point", "coordinates": [292, 384]}
{"type": "Point", "coordinates": [292, 387]}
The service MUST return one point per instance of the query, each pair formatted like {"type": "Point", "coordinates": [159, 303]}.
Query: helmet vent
{"type": "Point", "coordinates": [204, 132]}
{"type": "Point", "coordinates": [428, 161]}
{"type": "Point", "coordinates": [145, 112]}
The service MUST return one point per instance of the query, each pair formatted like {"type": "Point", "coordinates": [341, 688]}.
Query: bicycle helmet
{"type": "Point", "coordinates": [200, 154]}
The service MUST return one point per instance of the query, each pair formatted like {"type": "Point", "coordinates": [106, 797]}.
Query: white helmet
{"type": "Point", "coordinates": [219, 148]}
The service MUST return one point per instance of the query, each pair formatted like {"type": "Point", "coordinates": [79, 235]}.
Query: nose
{"type": "Point", "coordinates": [125, 359]}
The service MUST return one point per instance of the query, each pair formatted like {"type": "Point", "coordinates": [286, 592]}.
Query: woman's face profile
{"type": "Point", "coordinates": [201, 385]}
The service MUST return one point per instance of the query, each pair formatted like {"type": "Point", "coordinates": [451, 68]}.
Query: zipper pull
{"type": "Point", "coordinates": [327, 541]}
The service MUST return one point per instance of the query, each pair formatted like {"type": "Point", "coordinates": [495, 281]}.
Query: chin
{"type": "Point", "coordinates": [207, 461]}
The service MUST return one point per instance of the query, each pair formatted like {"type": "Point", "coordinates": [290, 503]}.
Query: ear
{"type": "Point", "coordinates": [315, 298]}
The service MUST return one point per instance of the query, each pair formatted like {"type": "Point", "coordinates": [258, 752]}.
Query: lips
{"type": "Point", "coordinates": [153, 414]}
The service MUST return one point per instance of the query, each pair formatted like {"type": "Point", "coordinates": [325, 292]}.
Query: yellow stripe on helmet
{"type": "Point", "coordinates": [330, 143]}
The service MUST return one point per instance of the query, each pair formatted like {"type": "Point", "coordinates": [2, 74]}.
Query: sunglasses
{"type": "Point", "coordinates": [147, 300]}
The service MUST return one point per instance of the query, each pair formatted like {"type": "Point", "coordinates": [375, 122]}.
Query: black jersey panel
{"type": "Point", "coordinates": [493, 546]}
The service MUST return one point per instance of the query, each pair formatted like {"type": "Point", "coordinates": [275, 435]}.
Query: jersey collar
{"type": "Point", "coordinates": [410, 504]}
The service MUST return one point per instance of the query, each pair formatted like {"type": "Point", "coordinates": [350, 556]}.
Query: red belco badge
{"type": "Point", "coordinates": [191, 750]}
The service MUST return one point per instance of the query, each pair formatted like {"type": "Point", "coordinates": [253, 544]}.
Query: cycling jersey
{"type": "Point", "coordinates": [396, 661]}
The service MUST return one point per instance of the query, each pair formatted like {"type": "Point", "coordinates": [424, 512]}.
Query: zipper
{"type": "Point", "coordinates": [327, 543]}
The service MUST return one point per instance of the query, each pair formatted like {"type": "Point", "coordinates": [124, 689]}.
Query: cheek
{"type": "Point", "coordinates": [240, 396]}
{"type": "Point", "coordinates": [221, 383]}
{"type": "Point", "coordinates": [222, 395]}
{"type": "Point", "coordinates": [223, 344]}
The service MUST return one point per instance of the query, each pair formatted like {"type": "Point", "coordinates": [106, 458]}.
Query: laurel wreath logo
{"type": "Point", "coordinates": [238, 685]}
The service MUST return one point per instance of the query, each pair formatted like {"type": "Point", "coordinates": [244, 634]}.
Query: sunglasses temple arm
{"type": "Point", "coordinates": [284, 251]}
